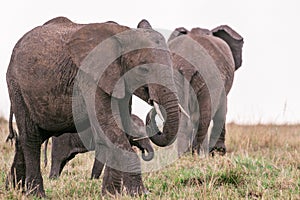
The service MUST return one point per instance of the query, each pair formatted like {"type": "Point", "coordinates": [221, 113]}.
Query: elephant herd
{"type": "Point", "coordinates": [75, 82]}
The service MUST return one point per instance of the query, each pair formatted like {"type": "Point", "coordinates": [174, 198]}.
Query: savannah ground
{"type": "Point", "coordinates": [263, 162]}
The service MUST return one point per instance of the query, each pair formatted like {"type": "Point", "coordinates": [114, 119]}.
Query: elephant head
{"type": "Point", "coordinates": [162, 92]}
{"type": "Point", "coordinates": [138, 62]}
{"type": "Point", "coordinates": [224, 32]}
{"type": "Point", "coordinates": [142, 142]}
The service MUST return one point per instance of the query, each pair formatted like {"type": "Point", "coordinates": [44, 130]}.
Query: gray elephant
{"type": "Point", "coordinates": [204, 63]}
{"type": "Point", "coordinates": [66, 146]}
{"type": "Point", "coordinates": [59, 71]}
{"type": "Point", "coordinates": [220, 53]}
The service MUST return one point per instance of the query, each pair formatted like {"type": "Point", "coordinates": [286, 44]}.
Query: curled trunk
{"type": "Point", "coordinates": [170, 110]}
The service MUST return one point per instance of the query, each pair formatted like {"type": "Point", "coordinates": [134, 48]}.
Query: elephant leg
{"type": "Point", "coordinates": [112, 181]}
{"type": "Point", "coordinates": [57, 167]}
{"type": "Point", "coordinates": [18, 169]}
{"type": "Point", "coordinates": [122, 160]}
{"type": "Point", "coordinates": [59, 158]}
{"type": "Point", "coordinates": [59, 164]}
{"type": "Point", "coordinates": [199, 143]}
{"type": "Point", "coordinates": [220, 147]}
{"type": "Point", "coordinates": [56, 163]}
{"type": "Point", "coordinates": [97, 169]}
{"type": "Point", "coordinates": [132, 180]}
{"type": "Point", "coordinates": [117, 149]}
{"type": "Point", "coordinates": [134, 189]}
{"type": "Point", "coordinates": [217, 137]}
{"type": "Point", "coordinates": [204, 104]}
{"type": "Point", "coordinates": [31, 142]}
{"type": "Point", "coordinates": [64, 149]}
{"type": "Point", "coordinates": [185, 136]}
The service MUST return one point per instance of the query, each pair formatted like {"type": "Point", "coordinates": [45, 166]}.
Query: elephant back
{"type": "Point", "coordinates": [58, 20]}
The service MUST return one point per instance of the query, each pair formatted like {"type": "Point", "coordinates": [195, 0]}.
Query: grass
{"type": "Point", "coordinates": [263, 162]}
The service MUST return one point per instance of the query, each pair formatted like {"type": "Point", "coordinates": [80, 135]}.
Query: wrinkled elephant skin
{"type": "Point", "coordinates": [204, 63]}
{"type": "Point", "coordinates": [49, 60]}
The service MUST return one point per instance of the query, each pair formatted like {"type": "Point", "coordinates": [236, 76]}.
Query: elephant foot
{"type": "Point", "coordinates": [38, 194]}
{"type": "Point", "coordinates": [137, 191]}
{"type": "Point", "coordinates": [112, 181]}
{"type": "Point", "coordinates": [15, 179]}
{"type": "Point", "coordinates": [35, 187]}
{"type": "Point", "coordinates": [111, 190]}
{"type": "Point", "coordinates": [133, 184]}
{"type": "Point", "coordinates": [133, 191]}
{"type": "Point", "coordinates": [10, 182]}
{"type": "Point", "coordinates": [37, 191]}
{"type": "Point", "coordinates": [217, 151]}
{"type": "Point", "coordinates": [53, 177]}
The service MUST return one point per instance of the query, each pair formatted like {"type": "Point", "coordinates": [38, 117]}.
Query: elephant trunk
{"type": "Point", "coordinates": [169, 102]}
{"type": "Point", "coordinates": [145, 146]}
{"type": "Point", "coordinates": [150, 153]}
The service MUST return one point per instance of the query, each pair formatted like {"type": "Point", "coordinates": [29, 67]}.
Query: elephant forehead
{"type": "Point", "coordinates": [200, 31]}
{"type": "Point", "coordinates": [140, 39]}
{"type": "Point", "coordinates": [154, 36]}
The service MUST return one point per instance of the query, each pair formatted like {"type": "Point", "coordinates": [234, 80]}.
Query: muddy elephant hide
{"type": "Point", "coordinates": [60, 70]}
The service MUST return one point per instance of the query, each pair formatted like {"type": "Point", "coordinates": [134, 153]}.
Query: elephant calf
{"type": "Point", "coordinates": [68, 145]}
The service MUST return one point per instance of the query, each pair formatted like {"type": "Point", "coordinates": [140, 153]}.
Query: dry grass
{"type": "Point", "coordinates": [263, 162]}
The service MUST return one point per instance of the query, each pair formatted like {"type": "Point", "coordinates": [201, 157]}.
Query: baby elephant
{"type": "Point", "coordinates": [66, 146]}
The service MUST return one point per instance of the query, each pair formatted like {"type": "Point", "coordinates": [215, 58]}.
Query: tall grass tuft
{"type": "Point", "coordinates": [263, 162]}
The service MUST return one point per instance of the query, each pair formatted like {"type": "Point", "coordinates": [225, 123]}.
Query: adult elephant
{"type": "Point", "coordinates": [57, 74]}
{"type": "Point", "coordinates": [206, 60]}
{"type": "Point", "coordinates": [66, 146]}
{"type": "Point", "coordinates": [204, 63]}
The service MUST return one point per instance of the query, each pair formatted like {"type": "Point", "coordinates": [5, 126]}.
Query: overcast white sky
{"type": "Point", "coordinates": [266, 87]}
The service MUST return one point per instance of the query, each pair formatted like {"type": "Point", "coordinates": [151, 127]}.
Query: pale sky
{"type": "Point", "coordinates": [266, 87]}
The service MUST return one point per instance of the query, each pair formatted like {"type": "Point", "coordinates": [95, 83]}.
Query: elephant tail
{"type": "Point", "coordinates": [12, 132]}
{"type": "Point", "coordinates": [45, 153]}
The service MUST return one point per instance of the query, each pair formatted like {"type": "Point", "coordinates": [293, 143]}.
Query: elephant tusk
{"type": "Point", "coordinates": [183, 111]}
{"type": "Point", "coordinates": [136, 139]}
{"type": "Point", "coordinates": [156, 106]}
{"type": "Point", "coordinates": [160, 128]}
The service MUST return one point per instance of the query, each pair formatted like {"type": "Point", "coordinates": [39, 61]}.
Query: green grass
{"type": "Point", "coordinates": [263, 162]}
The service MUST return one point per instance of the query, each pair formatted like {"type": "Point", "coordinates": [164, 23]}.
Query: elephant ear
{"type": "Point", "coordinates": [143, 93]}
{"type": "Point", "coordinates": [112, 22]}
{"type": "Point", "coordinates": [188, 71]}
{"type": "Point", "coordinates": [181, 64]}
{"type": "Point", "coordinates": [184, 67]}
{"type": "Point", "coordinates": [144, 24]}
{"type": "Point", "coordinates": [177, 32]}
{"type": "Point", "coordinates": [106, 56]}
{"type": "Point", "coordinates": [234, 41]}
